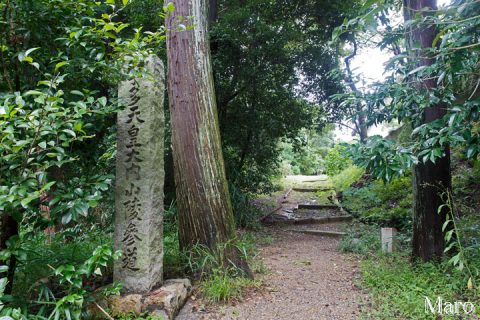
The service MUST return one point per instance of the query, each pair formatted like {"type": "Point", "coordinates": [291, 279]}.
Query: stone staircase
{"type": "Point", "coordinates": [303, 206]}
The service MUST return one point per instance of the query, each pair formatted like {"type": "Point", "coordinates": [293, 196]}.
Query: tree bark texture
{"type": "Point", "coordinates": [205, 212]}
{"type": "Point", "coordinates": [432, 181]}
{"type": "Point", "coordinates": [8, 229]}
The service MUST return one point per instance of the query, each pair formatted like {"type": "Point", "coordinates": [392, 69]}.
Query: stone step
{"type": "Point", "coordinates": [333, 234]}
{"type": "Point", "coordinates": [299, 189]}
{"type": "Point", "coordinates": [316, 206]}
{"type": "Point", "coordinates": [286, 220]}
{"type": "Point", "coordinates": [323, 220]}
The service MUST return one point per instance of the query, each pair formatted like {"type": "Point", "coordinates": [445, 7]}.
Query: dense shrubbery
{"type": "Point", "coordinates": [245, 213]}
{"type": "Point", "coordinates": [371, 201]}
{"type": "Point", "coordinates": [347, 177]}
{"type": "Point", "coordinates": [385, 204]}
{"type": "Point", "coordinates": [57, 115]}
{"type": "Point", "coordinates": [304, 162]}
{"type": "Point", "coordinates": [361, 239]}
{"type": "Point", "coordinates": [336, 160]}
{"type": "Point", "coordinates": [306, 155]}
{"type": "Point", "coordinates": [397, 285]}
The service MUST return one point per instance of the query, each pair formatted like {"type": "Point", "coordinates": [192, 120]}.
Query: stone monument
{"type": "Point", "coordinates": [139, 180]}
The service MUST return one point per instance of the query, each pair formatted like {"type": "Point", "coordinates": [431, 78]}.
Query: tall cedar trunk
{"type": "Point", "coordinates": [431, 180]}
{"type": "Point", "coordinates": [205, 212]}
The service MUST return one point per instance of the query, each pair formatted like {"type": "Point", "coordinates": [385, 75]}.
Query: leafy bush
{"type": "Point", "coordinates": [38, 253]}
{"type": "Point", "coordinates": [385, 204]}
{"type": "Point", "coordinates": [361, 239]}
{"type": "Point", "coordinates": [56, 280]}
{"type": "Point", "coordinates": [336, 160]}
{"type": "Point", "coordinates": [305, 154]}
{"type": "Point", "coordinates": [382, 158]}
{"type": "Point", "coordinates": [54, 120]}
{"type": "Point", "coordinates": [347, 177]}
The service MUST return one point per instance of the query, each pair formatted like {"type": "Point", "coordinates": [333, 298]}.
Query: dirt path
{"type": "Point", "coordinates": [307, 279]}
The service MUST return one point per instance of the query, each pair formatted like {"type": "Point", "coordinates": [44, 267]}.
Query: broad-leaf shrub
{"type": "Point", "coordinates": [384, 204]}
{"type": "Point", "coordinates": [347, 177]}
{"type": "Point", "coordinates": [57, 96]}
{"type": "Point", "coordinates": [455, 57]}
{"type": "Point", "coordinates": [336, 160]}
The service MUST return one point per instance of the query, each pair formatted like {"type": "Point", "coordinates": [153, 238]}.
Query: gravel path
{"type": "Point", "coordinates": [307, 279]}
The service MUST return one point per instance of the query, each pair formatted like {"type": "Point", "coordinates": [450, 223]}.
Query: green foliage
{"type": "Point", "coordinates": [57, 105]}
{"type": "Point", "coordinates": [40, 251]}
{"type": "Point", "coordinates": [453, 74]}
{"type": "Point", "coordinates": [306, 161]}
{"type": "Point", "coordinates": [305, 155]}
{"type": "Point", "coordinates": [246, 214]}
{"type": "Point", "coordinates": [174, 260]}
{"type": "Point", "coordinates": [37, 129]}
{"type": "Point", "coordinates": [221, 280]}
{"type": "Point", "coordinates": [384, 159]}
{"type": "Point", "coordinates": [361, 239]}
{"type": "Point", "coordinates": [465, 179]}
{"type": "Point", "coordinates": [45, 122]}
{"type": "Point", "coordinates": [202, 261]}
{"type": "Point", "coordinates": [57, 282]}
{"type": "Point", "coordinates": [221, 287]}
{"type": "Point", "coordinates": [336, 160]}
{"type": "Point", "coordinates": [269, 61]}
{"type": "Point", "coordinates": [347, 177]}
{"type": "Point", "coordinates": [70, 306]}
{"type": "Point", "coordinates": [398, 288]}
{"type": "Point", "coordinates": [141, 317]}
{"type": "Point", "coordinates": [385, 204]}
{"type": "Point", "coordinates": [462, 255]}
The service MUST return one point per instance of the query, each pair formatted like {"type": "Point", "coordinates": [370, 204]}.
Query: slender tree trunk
{"type": "Point", "coordinates": [431, 180]}
{"type": "Point", "coordinates": [359, 119]}
{"type": "Point", "coordinates": [8, 229]}
{"type": "Point", "coordinates": [204, 208]}
{"type": "Point", "coordinates": [362, 126]}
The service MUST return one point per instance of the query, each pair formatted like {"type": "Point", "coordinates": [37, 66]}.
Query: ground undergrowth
{"type": "Point", "coordinates": [397, 285]}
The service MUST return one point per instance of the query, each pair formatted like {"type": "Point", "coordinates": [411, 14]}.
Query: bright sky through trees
{"type": "Point", "coordinates": [368, 66]}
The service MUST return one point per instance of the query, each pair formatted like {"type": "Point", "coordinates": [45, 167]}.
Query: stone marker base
{"type": "Point", "coordinates": [166, 301]}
